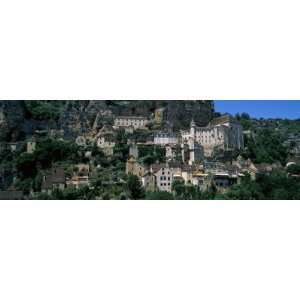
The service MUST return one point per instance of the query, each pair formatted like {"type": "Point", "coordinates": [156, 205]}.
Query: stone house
{"type": "Point", "coordinates": [80, 177]}
{"type": "Point", "coordinates": [106, 140]}
{"type": "Point", "coordinates": [164, 177]}
{"type": "Point", "coordinates": [54, 180]}
{"type": "Point", "coordinates": [135, 168]}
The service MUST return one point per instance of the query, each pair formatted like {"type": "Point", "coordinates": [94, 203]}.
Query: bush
{"type": "Point", "coordinates": [134, 187]}
{"type": "Point", "coordinates": [159, 196]}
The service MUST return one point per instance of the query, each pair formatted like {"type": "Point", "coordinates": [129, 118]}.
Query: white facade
{"type": "Point", "coordinates": [225, 135]}
{"type": "Point", "coordinates": [104, 142]}
{"type": "Point", "coordinates": [165, 138]}
{"type": "Point", "coordinates": [135, 122]}
{"type": "Point", "coordinates": [164, 179]}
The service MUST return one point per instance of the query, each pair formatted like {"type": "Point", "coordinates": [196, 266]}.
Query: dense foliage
{"type": "Point", "coordinates": [134, 188]}
{"type": "Point", "coordinates": [44, 110]}
{"type": "Point", "coordinates": [151, 154]}
{"type": "Point", "coordinates": [277, 185]}
{"type": "Point", "coordinates": [265, 147]}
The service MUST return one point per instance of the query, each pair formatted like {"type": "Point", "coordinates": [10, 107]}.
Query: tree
{"type": "Point", "coordinates": [26, 165]}
{"type": "Point", "coordinates": [134, 187]}
{"type": "Point", "coordinates": [245, 116]}
{"type": "Point", "coordinates": [294, 169]}
{"type": "Point", "coordinates": [267, 147]}
{"type": "Point", "coordinates": [178, 188]}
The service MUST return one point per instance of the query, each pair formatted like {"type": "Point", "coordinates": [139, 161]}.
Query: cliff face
{"type": "Point", "coordinates": [12, 116]}
{"type": "Point", "coordinates": [79, 117]}
{"type": "Point", "coordinates": [179, 114]}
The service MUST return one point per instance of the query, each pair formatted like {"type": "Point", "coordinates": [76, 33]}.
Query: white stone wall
{"type": "Point", "coordinates": [165, 139]}
{"type": "Point", "coordinates": [225, 136]}
{"type": "Point", "coordinates": [134, 122]}
{"type": "Point", "coordinates": [164, 179]}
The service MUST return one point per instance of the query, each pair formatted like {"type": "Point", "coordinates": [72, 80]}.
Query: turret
{"type": "Point", "coordinates": [193, 128]}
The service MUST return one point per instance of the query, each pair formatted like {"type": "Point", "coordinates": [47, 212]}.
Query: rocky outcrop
{"type": "Point", "coordinates": [80, 117]}
{"type": "Point", "coordinates": [179, 114]}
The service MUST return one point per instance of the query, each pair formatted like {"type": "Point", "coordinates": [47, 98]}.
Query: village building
{"type": "Point", "coordinates": [131, 121]}
{"type": "Point", "coordinates": [172, 152]}
{"type": "Point", "coordinates": [164, 177]}
{"type": "Point", "coordinates": [223, 133]}
{"type": "Point", "coordinates": [245, 166]}
{"type": "Point", "coordinates": [192, 152]}
{"type": "Point", "coordinates": [165, 138]}
{"type": "Point", "coordinates": [135, 168]}
{"type": "Point", "coordinates": [80, 177]}
{"type": "Point", "coordinates": [106, 140]}
{"type": "Point", "coordinates": [54, 180]}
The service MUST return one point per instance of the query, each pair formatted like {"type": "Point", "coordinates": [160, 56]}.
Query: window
{"type": "Point", "coordinates": [169, 183]}
{"type": "Point", "coordinates": [169, 178]}
{"type": "Point", "coordinates": [161, 178]}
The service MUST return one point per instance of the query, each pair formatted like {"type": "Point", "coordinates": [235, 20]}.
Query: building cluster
{"type": "Point", "coordinates": [189, 155]}
{"type": "Point", "coordinates": [160, 177]}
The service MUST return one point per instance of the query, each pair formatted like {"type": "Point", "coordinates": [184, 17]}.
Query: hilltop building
{"type": "Point", "coordinates": [222, 133]}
